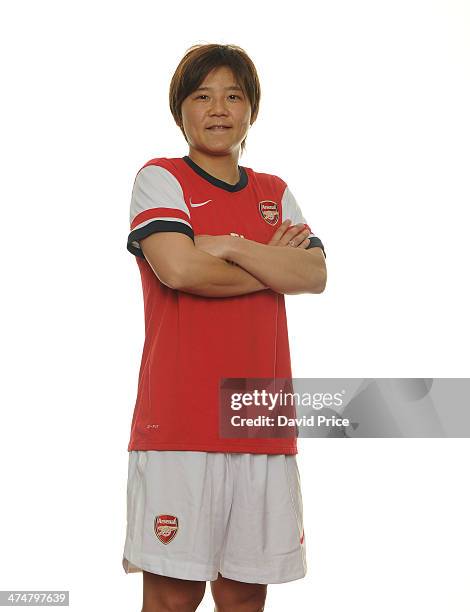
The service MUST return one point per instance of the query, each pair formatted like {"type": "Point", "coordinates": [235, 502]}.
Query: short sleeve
{"type": "Point", "coordinates": [157, 205]}
{"type": "Point", "coordinates": [291, 210]}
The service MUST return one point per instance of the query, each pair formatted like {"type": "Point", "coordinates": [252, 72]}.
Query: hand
{"type": "Point", "coordinates": [294, 236]}
{"type": "Point", "coordinates": [214, 245]}
{"type": "Point", "coordinates": [239, 236]}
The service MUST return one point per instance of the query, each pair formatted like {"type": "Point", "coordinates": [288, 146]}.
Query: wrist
{"type": "Point", "coordinates": [232, 245]}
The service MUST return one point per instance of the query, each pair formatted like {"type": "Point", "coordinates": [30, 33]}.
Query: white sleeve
{"type": "Point", "coordinates": [291, 210]}
{"type": "Point", "coordinates": [157, 205]}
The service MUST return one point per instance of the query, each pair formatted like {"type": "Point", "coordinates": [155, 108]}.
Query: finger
{"type": "Point", "coordinates": [289, 233]}
{"type": "Point", "coordinates": [280, 231]}
{"type": "Point", "coordinates": [304, 244]}
{"type": "Point", "coordinates": [297, 240]}
{"type": "Point", "coordinates": [294, 238]}
{"type": "Point", "coordinates": [293, 230]}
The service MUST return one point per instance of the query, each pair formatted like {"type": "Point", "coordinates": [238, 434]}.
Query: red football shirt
{"type": "Point", "coordinates": [191, 342]}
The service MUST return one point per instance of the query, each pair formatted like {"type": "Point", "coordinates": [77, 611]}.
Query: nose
{"type": "Point", "coordinates": [218, 106]}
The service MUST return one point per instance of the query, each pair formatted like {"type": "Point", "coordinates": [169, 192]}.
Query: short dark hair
{"type": "Point", "coordinates": [198, 61]}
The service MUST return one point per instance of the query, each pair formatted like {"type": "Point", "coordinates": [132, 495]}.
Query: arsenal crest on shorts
{"type": "Point", "coordinates": [269, 211]}
{"type": "Point", "coordinates": [165, 527]}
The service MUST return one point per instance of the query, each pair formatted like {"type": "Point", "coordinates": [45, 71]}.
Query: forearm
{"type": "Point", "coordinates": [211, 276]}
{"type": "Point", "coordinates": [283, 269]}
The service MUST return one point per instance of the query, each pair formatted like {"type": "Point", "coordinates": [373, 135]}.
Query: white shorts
{"type": "Point", "coordinates": [192, 514]}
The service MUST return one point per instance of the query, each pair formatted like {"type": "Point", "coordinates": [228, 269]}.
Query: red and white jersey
{"type": "Point", "coordinates": [191, 341]}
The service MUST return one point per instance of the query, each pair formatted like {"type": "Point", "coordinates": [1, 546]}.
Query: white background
{"type": "Point", "coordinates": [364, 113]}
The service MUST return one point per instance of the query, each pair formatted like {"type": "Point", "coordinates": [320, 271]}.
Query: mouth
{"type": "Point", "coordinates": [219, 128]}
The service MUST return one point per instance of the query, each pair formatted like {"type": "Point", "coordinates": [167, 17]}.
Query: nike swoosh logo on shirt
{"type": "Point", "coordinates": [199, 204]}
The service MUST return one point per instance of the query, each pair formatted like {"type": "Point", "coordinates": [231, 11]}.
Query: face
{"type": "Point", "coordinates": [218, 101]}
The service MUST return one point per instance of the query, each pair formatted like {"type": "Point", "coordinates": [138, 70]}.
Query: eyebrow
{"type": "Point", "coordinates": [226, 88]}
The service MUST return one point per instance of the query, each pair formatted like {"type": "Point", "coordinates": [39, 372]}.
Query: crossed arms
{"type": "Point", "coordinates": [206, 268]}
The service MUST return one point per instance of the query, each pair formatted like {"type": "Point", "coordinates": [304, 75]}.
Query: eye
{"type": "Point", "coordinates": [230, 96]}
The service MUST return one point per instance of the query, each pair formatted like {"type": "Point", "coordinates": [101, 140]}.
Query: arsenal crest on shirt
{"type": "Point", "coordinates": [165, 527]}
{"type": "Point", "coordinates": [269, 211]}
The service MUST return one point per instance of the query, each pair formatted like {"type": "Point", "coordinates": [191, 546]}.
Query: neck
{"type": "Point", "coordinates": [222, 167]}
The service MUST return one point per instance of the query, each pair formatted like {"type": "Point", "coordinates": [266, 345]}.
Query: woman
{"type": "Point", "coordinates": [217, 245]}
